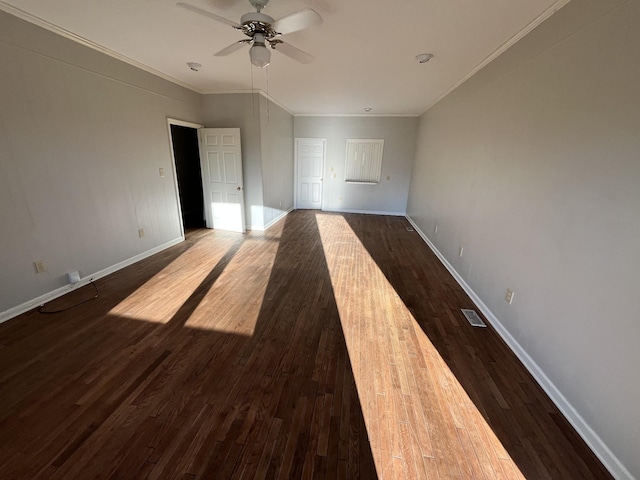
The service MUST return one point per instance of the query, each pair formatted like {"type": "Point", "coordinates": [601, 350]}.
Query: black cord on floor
{"type": "Point", "coordinates": [41, 307]}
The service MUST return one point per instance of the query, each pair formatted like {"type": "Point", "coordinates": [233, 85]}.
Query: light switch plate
{"type": "Point", "coordinates": [509, 296]}
{"type": "Point", "coordinates": [40, 266]}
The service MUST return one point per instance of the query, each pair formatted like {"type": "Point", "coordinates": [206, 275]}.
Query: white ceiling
{"type": "Point", "coordinates": [364, 49]}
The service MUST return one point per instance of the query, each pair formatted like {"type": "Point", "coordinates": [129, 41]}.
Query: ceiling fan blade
{"type": "Point", "coordinates": [200, 11]}
{"type": "Point", "coordinates": [293, 52]}
{"type": "Point", "coordinates": [232, 48]}
{"type": "Point", "coordinates": [297, 21]}
{"type": "Point", "coordinates": [224, 4]}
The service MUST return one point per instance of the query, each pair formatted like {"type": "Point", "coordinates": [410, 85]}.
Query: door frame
{"type": "Point", "coordinates": [180, 123]}
{"type": "Point", "coordinates": [295, 169]}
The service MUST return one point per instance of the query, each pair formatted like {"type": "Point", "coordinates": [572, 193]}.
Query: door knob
{"type": "Point", "coordinates": [239, 188]}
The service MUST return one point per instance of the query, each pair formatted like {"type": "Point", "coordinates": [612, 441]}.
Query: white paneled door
{"type": "Point", "coordinates": [222, 185]}
{"type": "Point", "coordinates": [310, 169]}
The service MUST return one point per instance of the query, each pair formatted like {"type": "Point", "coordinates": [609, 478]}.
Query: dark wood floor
{"type": "Point", "coordinates": [331, 346]}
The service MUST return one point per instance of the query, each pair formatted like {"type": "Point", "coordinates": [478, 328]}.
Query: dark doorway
{"type": "Point", "coordinates": [187, 158]}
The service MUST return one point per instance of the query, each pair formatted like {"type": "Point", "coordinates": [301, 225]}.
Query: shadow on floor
{"type": "Point", "coordinates": [532, 430]}
{"type": "Point", "coordinates": [90, 392]}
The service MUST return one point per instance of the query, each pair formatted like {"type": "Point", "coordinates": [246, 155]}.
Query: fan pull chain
{"type": "Point", "coordinates": [253, 98]}
{"type": "Point", "coordinates": [267, 69]}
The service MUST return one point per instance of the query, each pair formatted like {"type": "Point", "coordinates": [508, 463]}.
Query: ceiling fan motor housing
{"type": "Point", "coordinates": [256, 22]}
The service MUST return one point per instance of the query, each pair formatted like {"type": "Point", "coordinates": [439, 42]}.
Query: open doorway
{"type": "Point", "coordinates": [186, 155]}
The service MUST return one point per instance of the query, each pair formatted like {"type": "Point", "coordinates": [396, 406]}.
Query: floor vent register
{"type": "Point", "coordinates": [473, 317]}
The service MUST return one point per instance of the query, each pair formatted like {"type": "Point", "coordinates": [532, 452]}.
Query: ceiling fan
{"type": "Point", "coordinates": [263, 30]}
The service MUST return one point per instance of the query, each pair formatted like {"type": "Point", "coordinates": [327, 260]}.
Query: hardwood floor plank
{"type": "Point", "coordinates": [262, 468]}
{"type": "Point", "coordinates": [330, 346]}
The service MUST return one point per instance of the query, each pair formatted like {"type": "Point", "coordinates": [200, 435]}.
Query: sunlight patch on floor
{"type": "Point", "coordinates": [185, 290]}
{"type": "Point", "coordinates": [412, 403]}
{"type": "Point", "coordinates": [245, 279]}
{"type": "Point", "coordinates": [160, 297]}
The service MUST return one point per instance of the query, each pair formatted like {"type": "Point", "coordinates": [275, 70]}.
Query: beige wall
{"type": "Point", "coordinates": [390, 195]}
{"type": "Point", "coordinates": [242, 111]}
{"type": "Point", "coordinates": [533, 166]}
{"type": "Point", "coordinates": [266, 132]}
{"type": "Point", "coordinates": [276, 126]}
{"type": "Point", "coordinates": [82, 138]}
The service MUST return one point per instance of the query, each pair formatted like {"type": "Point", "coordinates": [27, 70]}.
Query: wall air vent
{"type": "Point", "coordinates": [473, 317]}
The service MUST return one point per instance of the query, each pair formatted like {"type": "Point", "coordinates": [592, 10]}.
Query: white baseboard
{"type": "Point", "coordinates": [606, 456]}
{"type": "Point", "coordinates": [366, 212]}
{"type": "Point", "coordinates": [278, 218]}
{"type": "Point", "coordinates": [261, 228]}
{"type": "Point", "coordinates": [58, 292]}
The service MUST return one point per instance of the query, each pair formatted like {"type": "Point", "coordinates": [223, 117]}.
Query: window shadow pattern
{"type": "Point", "coordinates": [93, 394]}
{"type": "Point", "coordinates": [537, 437]}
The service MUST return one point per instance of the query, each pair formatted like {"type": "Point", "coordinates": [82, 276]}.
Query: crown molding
{"type": "Point", "coordinates": [500, 50]}
{"type": "Point", "coordinates": [95, 46]}
{"type": "Point", "coordinates": [249, 91]}
{"type": "Point", "coordinates": [278, 103]}
{"type": "Point", "coordinates": [402, 115]}
{"type": "Point", "coordinates": [17, 12]}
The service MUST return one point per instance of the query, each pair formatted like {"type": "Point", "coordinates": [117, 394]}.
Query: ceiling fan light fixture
{"type": "Point", "coordinates": [424, 57]}
{"type": "Point", "coordinates": [260, 55]}
{"type": "Point", "coordinates": [263, 31]}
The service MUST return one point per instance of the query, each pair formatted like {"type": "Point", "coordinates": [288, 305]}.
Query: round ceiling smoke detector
{"type": "Point", "coordinates": [367, 109]}
{"type": "Point", "coordinates": [424, 57]}
{"type": "Point", "coordinates": [194, 66]}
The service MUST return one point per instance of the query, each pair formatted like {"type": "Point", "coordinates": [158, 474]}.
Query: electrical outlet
{"type": "Point", "coordinates": [141, 232]}
{"type": "Point", "coordinates": [161, 172]}
{"type": "Point", "coordinates": [73, 277]}
{"type": "Point", "coordinates": [509, 296]}
{"type": "Point", "coordinates": [460, 250]}
{"type": "Point", "coordinates": [40, 266]}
